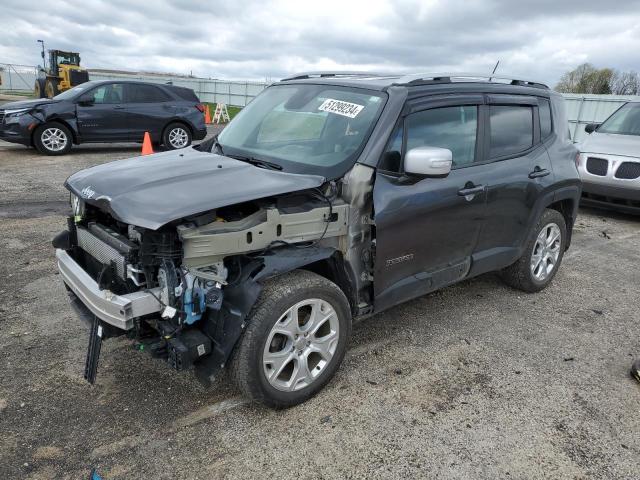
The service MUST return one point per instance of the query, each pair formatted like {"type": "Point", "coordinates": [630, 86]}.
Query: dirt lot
{"type": "Point", "coordinates": [476, 381]}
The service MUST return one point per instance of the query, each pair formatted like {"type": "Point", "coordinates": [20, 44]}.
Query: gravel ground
{"type": "Point", "coordinates": [475, 381]}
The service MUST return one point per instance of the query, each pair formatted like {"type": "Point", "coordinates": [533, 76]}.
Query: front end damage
{"type": "Point", "coordinates": [184, 291]}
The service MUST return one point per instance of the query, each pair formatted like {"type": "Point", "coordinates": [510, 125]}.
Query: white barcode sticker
{"type": "Point", "coordinates": [346, 109]}
{"type": "Point", "coordinates": [201, 350]}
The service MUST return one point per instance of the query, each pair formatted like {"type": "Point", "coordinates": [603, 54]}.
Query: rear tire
{"type": "Point", "coordinates": [542, 255]}
{"type": "Point", "coordinates": [176, 135]}
{"type": "Point", "coordinates": [296, 338]}
{"type": "Point", "coordinates": [51, 87]}
{"type": "Point", "coordinates": [52, 139]}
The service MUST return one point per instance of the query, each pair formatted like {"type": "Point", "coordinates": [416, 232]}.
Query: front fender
{"type": "Point", "coordinates": [225, 326]}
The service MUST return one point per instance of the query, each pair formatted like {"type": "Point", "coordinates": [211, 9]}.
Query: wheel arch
{"type": "Point", "coordinates": [566, 200]}
{"type": "Point", "coordinates": [74, 134]}
{"type": "Point", "coordinates": [240, 298]}
{"type": "Point", "coordinates": [566, 207]}
{"type": "Point", "coordinates": [176, 120]}
{"type": "Point", "coordinates": [324, 261]}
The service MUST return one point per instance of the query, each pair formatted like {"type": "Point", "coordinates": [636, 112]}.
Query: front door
{"type": "Point", "coordinates": [427, 228]}
{"type": "Point", "coordinates": [101, 114]}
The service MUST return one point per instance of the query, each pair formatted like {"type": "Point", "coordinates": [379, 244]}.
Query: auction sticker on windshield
{"type": "Point", "coordinates": [346, 109]}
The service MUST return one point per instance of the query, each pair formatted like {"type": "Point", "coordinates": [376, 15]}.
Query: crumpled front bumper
{"type": "Point", "coordinates": [116, 310]}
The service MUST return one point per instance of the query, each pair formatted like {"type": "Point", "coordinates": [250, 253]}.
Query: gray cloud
{"type": "Point", "coordinates": [253, 40]}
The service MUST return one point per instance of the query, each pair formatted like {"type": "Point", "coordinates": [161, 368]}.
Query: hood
{"type": "Point", "coordinates": [154, 190]}
{"type": "Point", "coordinates": [612, 144]}
{"type": "Point", "coordinates": [27, 103]}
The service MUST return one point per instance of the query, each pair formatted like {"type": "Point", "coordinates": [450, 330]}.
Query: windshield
{"type": "Point", "coordinates": [625, 121]}
{"type": "Point", "coordinates": [72, 92]}
{"type": "Point", "coordinates": [66, 58]}
{"type": "Point", "coordinates": [315, 129]}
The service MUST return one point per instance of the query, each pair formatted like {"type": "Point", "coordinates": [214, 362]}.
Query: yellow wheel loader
{"type": "Point", "coordinates": [63, 73]}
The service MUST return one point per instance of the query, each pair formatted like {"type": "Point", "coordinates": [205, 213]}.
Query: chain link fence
{"type": "Point", "coordinates": [234, 93]}
{"type": "Point", "coordinates": [17, 78]}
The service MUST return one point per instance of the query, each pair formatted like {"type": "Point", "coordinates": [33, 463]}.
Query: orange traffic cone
{"type": "Point", "coordinates": [207, 115]}
{"type": "Point", "coordinates": [147, 148]}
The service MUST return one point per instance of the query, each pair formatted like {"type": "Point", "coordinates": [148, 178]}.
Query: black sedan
{"type": "Point", "coordinates": [105, 111]}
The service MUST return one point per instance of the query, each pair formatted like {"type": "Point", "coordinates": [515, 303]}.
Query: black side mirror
{"type": "Point", "coordinates": [591, 127]}
{"type": "Point", "coordinates": [86, 100]}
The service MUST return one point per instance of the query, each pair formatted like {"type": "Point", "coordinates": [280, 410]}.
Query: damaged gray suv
{"type": "Point", "coordinates": [331, 197]}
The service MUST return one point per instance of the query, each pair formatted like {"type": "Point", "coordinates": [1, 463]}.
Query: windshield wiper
{"type": "Point", "coordinates": [257, 162]}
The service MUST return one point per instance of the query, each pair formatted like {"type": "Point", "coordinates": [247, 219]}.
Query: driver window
{"type": "Point", "coordinates": [454, 128]}
{"type": "Point", "coordinates": [108, 94]}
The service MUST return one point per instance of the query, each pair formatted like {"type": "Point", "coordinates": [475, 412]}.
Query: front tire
{"type": "Point", "coordinates": [296, 338]}
{"type": "Point", "coordinates": [176, 136]}
{"type": "Point", "coordinates": [542, 255]}
{"type": "Point", "coordinates": [38, 88]}
{"type": "Point", "coordinates": [52, 139]}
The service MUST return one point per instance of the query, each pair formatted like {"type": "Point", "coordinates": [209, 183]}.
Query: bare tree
{"type": "Point", "coordinates": [626, 83]}
{"type": "Point", "coordinates": [586, 79]}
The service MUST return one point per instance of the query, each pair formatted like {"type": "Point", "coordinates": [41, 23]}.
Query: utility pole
{"type": "Point", "coordinates": [44, 63]}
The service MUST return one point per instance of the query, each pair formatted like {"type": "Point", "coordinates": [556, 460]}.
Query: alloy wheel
{"type": "Point", "coordinates": [178, 137]}
{"type": "Point", "coordinates": [546, 251]}
{"type": "Point", "coordinates": [301, 345]}
{"type": "Point", "coordinates": [54, 139]}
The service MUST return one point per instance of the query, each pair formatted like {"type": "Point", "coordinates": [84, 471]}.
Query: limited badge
{"type": "Point", "coordinates": [346, 109]}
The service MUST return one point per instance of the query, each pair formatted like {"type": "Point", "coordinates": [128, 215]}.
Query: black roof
{"type": "Point", "coordinates": [127, 80]}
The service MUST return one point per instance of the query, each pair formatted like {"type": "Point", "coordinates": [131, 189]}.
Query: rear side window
{"type": "Point", "coordinates": [146, 94]}
{"type": "Point", "coordinates": [454, 128]}
{"type": "Point", "coordinates": [511, 129]}
{"type": "Point", "coordinates": [544, 109]}
{"type": "Point", "coordinates": [185, 94]}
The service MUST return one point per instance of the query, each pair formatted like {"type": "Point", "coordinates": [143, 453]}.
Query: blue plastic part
{"type": "Point", "coordinates": [188, 303]}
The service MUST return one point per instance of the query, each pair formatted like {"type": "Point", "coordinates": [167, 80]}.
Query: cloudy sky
{"type": "Point", "coordinates": [245, 39]}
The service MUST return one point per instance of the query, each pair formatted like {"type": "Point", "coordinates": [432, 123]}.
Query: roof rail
{"type": "Point", "coordinates": [330, 73]}
{"type": "Point", "coordinates": [427, 78]}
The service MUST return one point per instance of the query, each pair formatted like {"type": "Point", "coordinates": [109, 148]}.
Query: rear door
{"type": "Point", "coordinates": [427, 228]}
{"type": "Point", "coordinates": [149, 109]}
{"type": "Point", "coordinates": [101, 114]}
{"type": "Point", "coordinates": [520, 170]}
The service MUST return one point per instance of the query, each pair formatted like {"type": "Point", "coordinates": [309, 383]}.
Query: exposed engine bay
{"type": "Point", "coordinates": [204, 272]}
